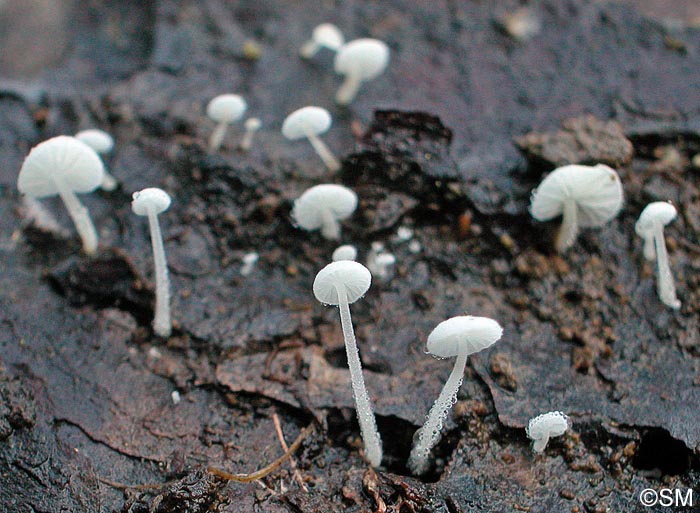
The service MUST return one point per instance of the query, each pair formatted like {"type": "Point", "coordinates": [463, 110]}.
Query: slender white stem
{"type": "Point", "coordinates": [649, 251]}
{"type": "Point", "coordinates": [161, 321]}
{"type": "Point", "coordinates": [540, 444]}
{"type": "Point", "coordinates": [348, 90]}
{"type": "Point", "coordinates": [247, 140]}
{"type": "Point", "coordinates": [429, 434]}
{"type": "Point", "coordinates": [330, 229]}
{"type": "Point", "coordinates": [109, 183]}
{"type": "Point", "coordinates": [80, 216]}
{"type": "Point", "coordinates": [569, 227]}
{"type": "Point", "coordinates": [665, 283]}
{"type": "Point", "coordinates": [217, 136]}
{"type": "Point", "coordinates": [322, 150]}
{"type": "Point", "coordinates": [309, 49]}
{"type": "Point", "coordinates": [365, 415]}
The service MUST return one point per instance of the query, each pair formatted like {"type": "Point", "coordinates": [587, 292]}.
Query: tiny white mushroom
{"type": "Point", "coordinates": [310, 122]}
{"type": "Point", "coordinates": [63, 165]}
{"type": "Point", "coordinates": [359, 61]}
{"type": "Point", "coordinates": [325, 35]}
{"type": "Point", "coordinates": [151, 202]}
{"type": "Point", "coordinates": [345, 252]}
{"type": "Point", "coordinates": [543, 427]}
{"type": "Point", "coordinates": [380, 262]}
{"type": "Point", "coordinates": [341, 284]}
{"type": "Point", "coordinates": [585, 196]}
{"type": "Point", "coordinates": [251, 125]}
{"type": "Point", "coordinates": [459, 336]}
{"type": "Point", "coordinates": [249, 261]}
{"type": "Point", "coordinates": [102, 143]}
{"type": "Point", "coordinates": [650, 226]}
{"type": "Point", "coordinates": [322, 206]}
{"type": "Point", "coordinates": [224, 110]}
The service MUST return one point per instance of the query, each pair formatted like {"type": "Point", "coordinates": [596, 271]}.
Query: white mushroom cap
{"type": "Point", "coordinates": [661, 212]}
{"type": "Point", "coordinates": [63, 159]}
{"type": "Point", "coordinates": [226, 108]}
{"type": "Point", "coordinates": [98, 140]}
{"type": "Point", "coordinates": [328, 35]}
{"type": "Point", "coordinates": [545, 426]}
{"type": "Point", "coordinates": [597, 191]}
{"type": "Point", "coordinates": [353, 276]}
{"type": "Point", "coordinates": [322, 200]}
{"type": "Point", "coordinates": [366, 58]}
{"type": "Point", "coordinates": [345, 252]}
{"type": "Point", "coordinates": [299, 123]}
{"type": "Point", "coordinates": [252, 124]}
{"type": "Point", "coordinates": [150, 199]}
{"type": "Point", "coordinates": [476, 333]}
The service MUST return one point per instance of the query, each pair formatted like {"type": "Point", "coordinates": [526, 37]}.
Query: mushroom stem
{"type": "Point", "coordinates": [540, 444]}
{"type": "Point", "coordinates": [330, 227]}
{"type": "Point", "coordinates": [309, 49]}
{"type": "Point", "coordinates": [217, 136]}
{"type": "Point", "coordinates": [649, 251]}
{"type": "Point", "coordinates": [161, 321]}
{"type": "Point", "coordinates": [80, 216]}
{"type": "Point", "coordinates": [665, 285]}
{"type": "Point", "coordinates": [429, 434]}
{"type": "Point", "coordinates": [322, 150]}
{"type": "Point", "coordinates": [348, 90]}
{"type": "Point", "coordinates": [365, 415]}
{"type": "Point", "coordinates": [247, 140]}
{"type": "Point", "coordinates": [569, 227]}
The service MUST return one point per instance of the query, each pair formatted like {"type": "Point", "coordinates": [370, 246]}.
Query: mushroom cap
{"type": "Point", "coordinates": [150, 198]}
{"type": "Point", "coordinates": [309, 208]}
{"type": "Point", "coordinates": [368, 58]}
{"type": "Point", "coordinates": [597, 191]}
{"type": "Point", "coordinates": [98, 140]}
{"type": "Point", "coordinates": [354, 276]}
{"type": "Point", "coordinates": [662, 212]}
{"type": "Point", "coordinates": [553, 423]}
{"type": "Point", "coordinates": [226, 108]}
{"type": "Point", "coordinates": [61, 158]}
{"type": "Point", "coordinates": [328, 35]}
{"type": "Point", "coordinates": [344, 252]}
{"type": "Point", "coordinates": [476, 333]}
{"type": "Point", "coordinates": [252, 124]}
{"type": "Point", "coordinates": [316, 120]}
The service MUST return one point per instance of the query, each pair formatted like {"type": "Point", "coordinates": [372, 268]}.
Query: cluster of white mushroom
{"type": "Point", "coordinates": [66, 166]}
{"type": "Point", "coordinates": [591, 196]}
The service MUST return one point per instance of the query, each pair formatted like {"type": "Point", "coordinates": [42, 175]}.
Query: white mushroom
{"type": "Point", "coordinates": [650, 226]}
{"type": "Point", "coordinates": [249, 261]}
{"type": "Point", "coordinates": [380, 262]}
{"type": "Point", "coordinates": [325, 35]}
{"type": "Point", "coordinates": [251, 125]}
{"type": "Point", "coordinates": [341, 284]}
{"type": "Point", "coordinates": [224, 109]}
{"type": "Point", "coordinates": [459, 336]}
{"type": "Point", "coordinates": [546, 426]}
{"type": "Point", "coordinates": [359, 61]}
{"type": "Point", "coordinates": [102, 143]}
{"type": "Point", "coordinates": [345, 252]}
{"type": "Point", "coordinates": [151, 202]}
{"type": "Point", "coordinates": [322, 206]}
{"type": "Point", "coordinates": [585, 196]}
{"type": "Point", "coordinates": [310, 122]}
{"type": "Point", "coordinates": [64, 166]}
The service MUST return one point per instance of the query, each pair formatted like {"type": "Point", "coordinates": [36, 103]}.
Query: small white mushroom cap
{"type": "Point", "coordinates": [344, 252]}
{"type": "Point", "coordinates": [151, 198]}
{"type": "Point", "coordinates": [474, 333]}
{"type": "Point", "coordinates": [661, 212]}
{"type": "Point", "coordinates": [367, 58]}
{"type": "Point", "coordinates": [301, 122]}
{"type": "Point", "coordinates": [324, 204]}
{"type": "Point", "coordinates": [63, 159]}
{"type": "Point", "coordinates": [327, 35]}
{"type": "Point", "coordinates": [353, 276]}
{"type": "Point", "coordinates": [545, 426]}
{"type": "Point", "coordinates": [98, 140]}
{"type": "Point", "coordinates": [597, 191]}
{"type": "Point", "coordinates": [252, 124]}
{"type": "Point", "coordinates": [226, 108]}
